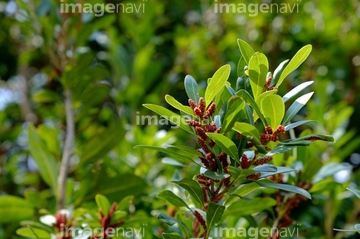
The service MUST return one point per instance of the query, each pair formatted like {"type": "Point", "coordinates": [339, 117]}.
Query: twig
{"type": "Point", "coordinates": [67, 150]}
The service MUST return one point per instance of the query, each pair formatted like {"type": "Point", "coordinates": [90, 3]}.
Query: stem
{"type": "Point", "coordinates": [67, 150]}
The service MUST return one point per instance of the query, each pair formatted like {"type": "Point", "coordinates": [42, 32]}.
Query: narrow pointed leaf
{"type": "Point", "coordinates": [216, 175]}
{"type": "Point", "coordinates": [235, 105]}
{"type": "Point", "coordinates": [246, 50]}
{"type": "Point", "coordinates": [251, 133]}
{"type": "Point", "coordinates": [294, 63]}
{"type": "Point", "coordinates": [278, 72]}
{"type": "Point", "coordinates": [258, 69]}
{"type": "Point", "coordinates": [250, 101]}
{"type": "Point", "coordinates": [177, 105]}
{"type": "Point", "coordinates": [243, 207]}
{"type": "Point", "coordinates": [296, 124]}
{"type": "Point", "coordinates": [217, 83]}
{"type": "Point", "coordinates": [171, 116]}
{"type": "Point", "coordinates": [296, 107]}
{"type": "Point", "coordinates": [103, 204]}
{"type": "Point", "coordinates": [354, 191]}
{"type": "Point", "coordinates": [296, 90]}
{"type": "Point", "coordinates": [213, 215]}
{"type": "Point", "coordinates": [285, 187]}
{"type": "Point", "coordinates": [191, 88]}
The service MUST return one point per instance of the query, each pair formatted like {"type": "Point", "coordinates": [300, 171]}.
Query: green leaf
{"type": "Point", "coordinates": [98, 147]}
{"type": "Point", "coordinates": [296, 107]}
{"type": "Point", "coordinates": [279, 149]}
{"type": "Point", "coordinates": [329, 170]}
{"type": "Point", "coordinates": [103, 204]}
{"type": "Point", "coordinates": [45, 96]}
{"type": "Point", "coordinates": [226, 144]}
{"type": "Point", "coordinates": [171, 236]}
{"type": "Point", "coordinates": [278, 72]}
{"type": "Point", "coordinates": [191, 88]}
{"type": "Point", "coordinates": [35, 233]}
{"type": "Point", "coordinates": [193, 188]}
{"type": "Point", "coordinates": [285, 187]}
{"type": "Point", "coordinates": [258, 69]}
{"type": "Point", "coordinates": [273, 109]}
{"type": "Point", "coordinates": [177, 105]}
{"type": "Point", "coordinates": [244, 190]}
{"type": "Point", "coordinates": [296, 90]}
{"type": "Point", "coordinates": [172, 198]}
{"type": "Point", "coordinates": [235, 105]}
{"type": "Point", "coordinates": [217, 83]}
{"type": "Point", "coordinates": [296, 124]}
{"type": "Point", "coordinates": [242, 207]}
{"type": "Point", "coordinates": [172, 221]}
{"type": "Point", "coordinates": [261, 97]}
{"type": "Point", "coordinates": [171, 116]}
{"type": "Point", "coordinates": [246, 50]}
{"type": "Point", "coordinates": [171, 161]}
{"type": "Point", "coordinates": [216, 175]}
{"type": "Point", "coordinates": [295, 62]}
{"type": "Point", "coordinates": [277, 171]}
{"type": "Point", "coordinates": [315, 137]}
{"type": "Point", "coordinates": [213, 215]}
{"type": "Point", "coordinates": [265, 168]}
{"type": "Point", "coordinates": [46, 162]}
{"type": "Point", "coordinates": [14, 209]}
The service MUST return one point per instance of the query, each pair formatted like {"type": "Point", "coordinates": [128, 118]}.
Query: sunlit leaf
{"type": "Point", "coordinates": [296, 107]}
{"type": "Point", "coordinates": [14, 209]}
{"type": "Point", "coordinates": [191, 88]}
{"type": "Point", "coordinates": [226, 144]}
{"type": "Point", "coordinates": [258, 69]}
{"type": "Point", "coordinates": [172, 198]}
{"type": "Point", "coordinates": [273, 109]}
{"type": "Point", "coordinates": [193, 188]}
{"type": "Point", "coordinates": [296, 90]}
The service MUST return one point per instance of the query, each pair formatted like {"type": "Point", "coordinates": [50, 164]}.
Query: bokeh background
{"type": "Point", "coordinates": [120, 61]}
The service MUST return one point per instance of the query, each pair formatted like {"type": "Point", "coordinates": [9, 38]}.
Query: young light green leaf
{"type": "Point", "coordinates": [191, 88]}
{"type": "Point", "coordinates": [14, 209]}
{"type": "Point", "coordinates": [258, 69]}
{"type": "Point", "coordinates": [273, 109]}
{"type": "Point", "coordinates": [242, 207]}
{"type": "Point", "coordinates": [226, 144]}
{"type": "Point", "coordinates": [285, 187]}
{"type": "Point", "coordinates": [278, 72]}
{"type": "Point", "coordinates": [296, 90]}
{"type": "Point", "coordinates": [213, 215]}
{"type": "Point", "coordinates": [103, 204]}
{"type": "Point", "coordinates": [193, 188]}
{"type": "Point", "coordinates": [172, 198]}
{"type": "Point", "coordinates": [295, 62]}
{"type": "Point", "coordinates": [46, 162]}
{"type": "Point", "coordinates": [217, 83]}
{"type": "Point", "coordinates": [169, 115]}
{"type": "Point", "coordinates": [250, 101]}
{"type": "Point", "coordinates": [246, 50]}
{"type": "Point", "coordinates": [296, 107]}
{"type": "Point", "coordinates": [177, 105]}
{"type": "Point", "coordinates": [35, 233]}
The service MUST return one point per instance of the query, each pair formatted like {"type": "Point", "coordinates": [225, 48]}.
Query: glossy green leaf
{"type": "Point", "coordinates": [285, 187]}
{"type": "Point", "coordinates": [103, 204]}
{"type": "Point", "coordinates": [172, 198]}
{"type": "Point", "coordinates": [265, 168]}
{"type": "Point", "coordinates": [242, 191]}
{"type": "Point", "coordinates": [243, 207]}
{"type": "Point", "coordinates": [177, 105]}
{"type": "Point", "coordinates": [171, 116]}
{"type": "Point", "coordinates": [216, 175]}
{"type": "Point", "coordinates": [296, 90]}
{"type": "Point", "coordinates": [273, 109]}
{"type": "Point", "coordinates": [235, 105]}
{"type": "Point", "coordinates": [278, 72]}
{"type": "Point", "coordinates": [279, 149]}
{"type": "Point", "coordinates": [171, 236]}
{"type": "Point", "coordinates": [258, 69]}
{"type": "Point", "coordinates": [193, 188]}
{"type": "Point", "coordinates": [47, 164]}
{"type": "Point", "coordinates": [14, 209]}
{"type": "Point", "coordinates": [170, 220]}
{"type": "Point", "coordinates": [245, 49]}
{"type": "Point", "coordinates": [294, 63]}
{"type": "Point", "coordinates": [261, 97]}
{"type": "Point", "coordinates": [251, 133]}
{"type": "Point", "coordinates": [191, 88]}
{"type": "Point", "coordinates": [226, 144]}
{"type": "Point", "coordinates": [213, 215]}
{"type": "Point", "coordinates": [279, 169]}
{"type": "Point", "coordinates": [217, 83]}
{"type": "Point", "coordinates": [296, 107]}
{"type": "Point", "coordinates": [35, 233]}
{"type": "Point", "coordinates": [97, 147]}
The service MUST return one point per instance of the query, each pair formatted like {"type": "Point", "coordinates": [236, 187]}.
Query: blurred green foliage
{"type": "Point", "coordinates": [117, 62]}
